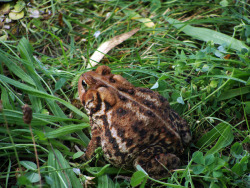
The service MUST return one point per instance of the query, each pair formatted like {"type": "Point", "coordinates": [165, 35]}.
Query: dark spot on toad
{"type": "Point", "coordinates": [142, 133]}
{"type": "Point", "coordinates": [99, 103]}
{"type": "Point", "coordinates": [170, 150]}
{"type": "Point", "coordinates": [141, 162]}
{"type": "Point", "coordinates": [171, 117]}
{"type": "Point", "coordinates": [175, 115]}
{"type": "Point", "coordinates": [151, 137]}
{"type": "Point", "coordinates": [107, 106]}
{"type": "Point", "coordinates": [112, 80]}
{"type": "Point", "coordinates": [149, 164]}
{"type": "Point", "coordinates": [122, 98]}
{"type": "Point", "coordinates": [145, 90]}
{"type": "Point", "coordinates": [132, 149]}
{"type": "Point", "coordinates": [111, 139]}
{"type": "Point", "coordinates": [158, 150]}
{"type": "Point", "coordinates": [98, 139]}
{"type": "Point", "coordinates": [129, 142]}
{"type": "Point", "coordinates": [121, 132]}
{"type": "Point", "coordinates": [180, 125]}
{"type": "Point", "coordinates": [107, 133]}
{"type": "Point", "coordinates": [135, 127]}
{"type": "Point", "coordinates": [150, 113]}
{"type": "Point", "coordinates": [120, 89]}
{"type": "Point", "coordinates": [109, 153]}
{"type": "Point", "coordinates": [104, 120]}
{"type": "Point", "coordinates": [131, 91]}
{"type": "Point", "coordinates": [115, 145]}
{"type": "Point", "coordinates": [162, 99]}
{"type": "Point", "coordinates": [170, 134]}
{"type": "Point", "coordinates": [121, 111]}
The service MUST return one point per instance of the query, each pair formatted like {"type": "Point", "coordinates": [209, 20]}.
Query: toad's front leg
{"type": "Point", "coordinates": [94, 143]}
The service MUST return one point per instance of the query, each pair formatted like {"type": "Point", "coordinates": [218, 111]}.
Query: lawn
{"type": "Point", "coordinates": [194, 53]}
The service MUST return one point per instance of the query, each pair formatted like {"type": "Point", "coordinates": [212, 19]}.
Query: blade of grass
{"type": "Point", "coordinates": [37, 93]}
{"type": "Point", "coordinates": [206, 35]}
{"type": "Point", "coordinates": [15, 69]}
{"type": "Point", "coordinates": [233, 93]}
{"type": "Point", "coordinates": [66, 130]}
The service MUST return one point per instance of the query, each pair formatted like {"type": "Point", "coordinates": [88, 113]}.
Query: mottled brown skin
{"type": "Point", "coordinates": [132, 125]}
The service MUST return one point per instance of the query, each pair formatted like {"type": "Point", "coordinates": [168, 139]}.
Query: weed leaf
{"type": "Point", "coordinates": [105, 182]}
{"type": "Point", "coordinates": [32, 177]}
{"type": "Point", "coordinates": [137, 178]}
{"type": "Point", "coordinates": [29, 165]}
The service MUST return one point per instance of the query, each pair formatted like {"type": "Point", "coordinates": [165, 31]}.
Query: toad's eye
{"type": "Point", "coordinates": [84, 84]}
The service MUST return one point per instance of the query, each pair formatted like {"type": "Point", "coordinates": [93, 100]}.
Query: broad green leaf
{"type": "Point", "coordinates": [33, 177]}
{"type": "Point", "coordinates": [29, 165]}
{"type": "Point", "coordinates": [213, 84]}
{"type": "Point", "coordinates": [209, 159]}
{"type": "Point", "coordinates": [198, 157]}
{"type": "Point", "coordinates": [226, 138]}
{"type": "Point", "coordinates": [23, 180]}
{"type": "Point", "coordinates": [78, 154]}
{"type": "Point", "coordinates": [237, 168]}
{"type": "Point", "coordinates": [242, 166]}
{"type": "Point", "coordinates": [16, 15]}
{"type": "Point", "coordinates": [217, 174]}
{"type": "Point", "coordinates": [105, 182]}
{"type": "Point", "coordinates": [137, 178]}
{"type": "Point", "coordinates": [206, 35]}
{"type": "Point", "coordinates": [48, 180]}
{"type": "Point", "coordinates": [19, 6]}
{"type": "Point", "coordinates": [67, 129]}
{"type": "Point", "coordinates": [198, 169]}
{"type": "Point", "coordinates": [224, 3]}
{"type": "Point", "coordinates": [236, 149]}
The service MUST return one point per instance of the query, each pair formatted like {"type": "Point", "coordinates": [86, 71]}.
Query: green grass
{"type": "Point", "coordinates": [196, 55]}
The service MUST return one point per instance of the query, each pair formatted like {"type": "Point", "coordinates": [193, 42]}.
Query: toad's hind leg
{"type": "Point", "coordinates": [157, 166]}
